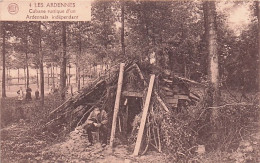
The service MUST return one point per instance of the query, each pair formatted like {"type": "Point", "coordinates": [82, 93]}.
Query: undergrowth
{"type": "Point", "coordinates": [183, 132]}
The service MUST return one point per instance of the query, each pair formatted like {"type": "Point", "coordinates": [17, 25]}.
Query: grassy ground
{"type": "Point", "coordinates": [21, 143]}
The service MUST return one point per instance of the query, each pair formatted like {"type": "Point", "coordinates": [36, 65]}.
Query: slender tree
{"type": "Point", "coordinates": [40, 54]}
{"type": "Point", "coordinates": [78, 63]}
{"type": "Point", "coordinates": [78, 57]}
{"type": "Point", "coordinates": [123, 26]}
{"type": "Point", "coordinates": [24, 75]}
{"type": "Point", "coordinates": [18, 74]}
{"type": "Point", "coordinates": [209, 9]}
{"type": "Point", "coordinates": [52, 70]}
{"type": "Point", "coordinates": [37, 76]}
{"type": "Point", "coordinates": [63, 62]}
{"type": "Point", "coordinates": [26, 56]}
{"type": "Point", "coordinates": [3, 53]}
{"type": "Point", "coordinates": [258, 17]}
{"type": "Point", "coordinates": [48, 75]}
{"type": "Point", "coordinates": [25, 37]}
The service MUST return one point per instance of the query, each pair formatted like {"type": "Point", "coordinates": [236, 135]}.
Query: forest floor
{"type": "Point", "coordinates": [18, 145]}
{"type": "Point", "coordinates": [247, 152]}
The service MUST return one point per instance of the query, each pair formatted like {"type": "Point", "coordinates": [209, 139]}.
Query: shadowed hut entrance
{"type": "Point", "coordinates": [134, 108]}
{"type": "Point", "coordinates": [131, 102]}
{"type": "Point", "coordinates": [131, 107]}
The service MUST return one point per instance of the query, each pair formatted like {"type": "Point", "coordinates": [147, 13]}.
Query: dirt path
{"type": "Point", "coordinates": [18, 146]}
{"type": "Point", "coordinates": [76, 149]}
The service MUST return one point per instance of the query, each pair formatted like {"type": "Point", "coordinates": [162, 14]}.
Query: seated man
{"type": "Point", "coordinates": [97, 120]}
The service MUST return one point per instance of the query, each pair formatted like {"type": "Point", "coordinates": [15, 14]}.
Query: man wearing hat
{"type": "Point", "coordinates": [97, 119]}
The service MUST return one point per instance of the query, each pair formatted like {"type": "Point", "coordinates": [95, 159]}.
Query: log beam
{"type": "Point", "coordinates": [132, 94]}
{"type": "Point", "coordinates": [117, 103]}
{"type": "Point", "coordinates": [143, 120]}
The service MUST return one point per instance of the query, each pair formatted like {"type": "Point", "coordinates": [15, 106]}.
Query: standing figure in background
{"type": "Point", "coordinates": [20, 94]}
{"type": "Point", "coordinates": [28, 95]}
{"type": "Point", "coordinates": [37, 94]}
{"type": "Point", "coordinates": [50, 89]}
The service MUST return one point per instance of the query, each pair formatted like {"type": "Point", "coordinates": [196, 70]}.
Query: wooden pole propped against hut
{"type": "Point", "coordinates": [143, 120]}
{"type": "Point", "coordinates": [156, 94]}
{"type": "Point", "coordinates": [117, 103]}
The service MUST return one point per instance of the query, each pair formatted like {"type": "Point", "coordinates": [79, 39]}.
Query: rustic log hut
{"type": "Point", "coordinates": [169, 92]}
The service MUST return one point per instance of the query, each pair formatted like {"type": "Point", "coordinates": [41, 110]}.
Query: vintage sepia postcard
{"type": "Point", "coordinates": [129, 81]}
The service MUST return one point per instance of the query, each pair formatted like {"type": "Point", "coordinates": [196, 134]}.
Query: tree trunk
{"type": "Point", "coordinates": [6, 76]}
{"type": "Point", "coordinates": [83, 77]}
{"type": "Point", "coordinates": [41, 66]}
{"type": "Point", "coordinates": [213, 93]}
{"type": "Point", "coordinates": [56, 72]}
{"type": "Point", "coordinates": [18, 75]}
{"type": "Point", "coordinates": [24, 70]}
{"type": "Point", "coordinates": [185, 69]}
{"type": "Point", "coordinates": [123, 26]}
{"type": "Point", "coordinates": [69, 75]}
{"type": "Point", "coordinates": [26, 57]}
{"type": "Point", "coordinates": [78, 62]}
{"type": "Point", "coordinates": [63, 63]}
{"type": "Point", "coordinates": [3, 53]}
{"type": "Point", "coordinates": [258, 17]}
{"type": "Point", "coordinates": [102, 66]}
{"type": "Point", "coordinates": [211, 37]}
{"type": "Point", "coordinates": [90, 71]}
{"type": "Point", "coordinates": [37, 77]}
{"type": "Point", "coordinates": [78, 76]}
{"type": "Point", "coordinates": [9, 74]}
{"type": "Point", "coordinates": [41, 78]}
{"type": "Point", "coordinates": [53, 80]}
{"type": "Point", "coordinates": [27, 70]}
{"type": "Point", "coordinates": [48, 77]}
{"type": "Point", "coordinates": [51, 75]}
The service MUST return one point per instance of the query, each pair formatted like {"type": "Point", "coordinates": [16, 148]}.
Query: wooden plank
{"type": "Point", "coordinates": [168, 93]}
{"type": "Point", "coordinates": [189, 81]}
{"type": "Point", "coordinates": [161, 101]}
{"type": "Point", "coordinates": [143, 120]}
{"type": "Point", "coordinates": [171, 100]}
{"type": "Point", "coordinates": [195, 97]}
{"type": "Point", "coordinates": [117, 103]}
{"type": "Point", "coordinates": [182, 97]}
{"type": "Point", "coordinates": [159, 139]}
{"type": "Point", "coordinates": [167, 80]}
{"type": "Point", "coordinates": [132, 94]}
{"type": "Point", "coordinates": [166, 89]}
